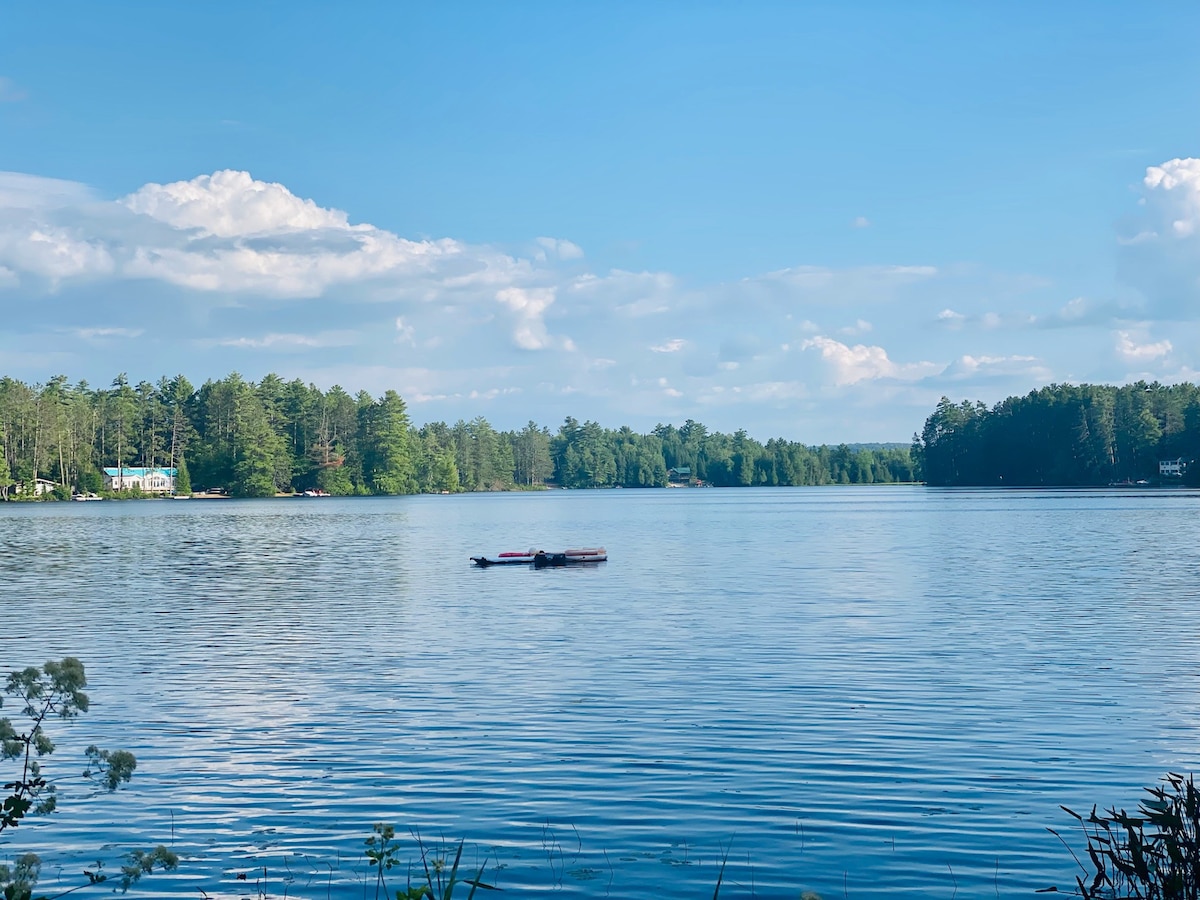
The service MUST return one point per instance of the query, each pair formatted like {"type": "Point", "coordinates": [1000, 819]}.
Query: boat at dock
{"type": "Point", "coordinates": [540, 559]}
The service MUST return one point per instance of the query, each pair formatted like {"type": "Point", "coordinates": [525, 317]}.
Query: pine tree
{"type": "Point", "coordinates": [183, 481]}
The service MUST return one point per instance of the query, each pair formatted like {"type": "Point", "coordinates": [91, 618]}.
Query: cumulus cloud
{"type": "Point", "coordinates": [233, 204]}
{"type": "Point", "coordinates": [247, 270]}
{"type": "Point", "coordinates": [863, 363]}
{"type": "Point", "coordinates": [1160, 254]}
{"type": "Point", "coordinates": [1130, 350]}
{"type": "Point", "coordinates": [1176, 187]}
{"type": "Point", "coordinates": [861, 222]}
{"type": "Point", "coordinates": [225, 232]}
{"type": "Point", "coordinates": [234, 233]}
{"type": "Point", "coordinates": [54, 253]}
{"type": "Point", "coordinates": [529, 306]}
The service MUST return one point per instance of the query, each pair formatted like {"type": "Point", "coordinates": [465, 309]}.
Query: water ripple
{"type": "Point", "coordinates": [862, 692]}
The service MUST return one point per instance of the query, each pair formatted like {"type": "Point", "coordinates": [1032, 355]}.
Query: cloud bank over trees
{"type": "Point", "coordinates": [226, 271]}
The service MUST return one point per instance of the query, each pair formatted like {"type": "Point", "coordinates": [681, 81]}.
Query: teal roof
{"type": "Point", "coordinates": [137, 471]}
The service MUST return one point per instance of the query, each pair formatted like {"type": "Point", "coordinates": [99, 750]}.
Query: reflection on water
{"type": "Point", "coordinates": [857, 691]}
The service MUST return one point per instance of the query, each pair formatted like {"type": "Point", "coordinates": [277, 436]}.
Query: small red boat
{"type": "Point", "coordinates": [540, 559]}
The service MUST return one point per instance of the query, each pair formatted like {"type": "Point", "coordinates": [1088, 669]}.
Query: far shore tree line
{"type": "Point", "coordinates": [1066, 435]}
{"type": "Point", "coordinates": [275, 436]}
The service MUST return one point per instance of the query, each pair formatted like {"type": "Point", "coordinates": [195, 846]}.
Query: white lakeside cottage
{"type": "Point", "coordinates": [1172, 468]}
{"type": "Point", "coordinates": [149, 481]}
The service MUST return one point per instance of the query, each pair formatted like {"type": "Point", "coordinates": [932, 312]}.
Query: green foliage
{"type": "Point", "coordinates": [140, 862]}
{"type": "Point", "coordinates": [20, 879]}
{"type": "Point", "coordinates": [384, 427]}
{"type": "Point", "coordinates": [440, 879]}
{"type": "Point", "coordinates": [1153, 855]}
{"type": "Point", "coordinates": [109, 767]}
{"type": "Point", "coordinates": [55, 691]}
{"type": "Point", "coordinates": [256, 440]}
{"type": "Point", "coordinates": [90, 481]}
{"type": "Point", "coordinates": [5, 473]}
{"type": "Point", "coordinates": [1061, 435]}
{"type": "Point", "coordinates": [262, 464]}
{"type": "Point", "coordinates": [183, 478]}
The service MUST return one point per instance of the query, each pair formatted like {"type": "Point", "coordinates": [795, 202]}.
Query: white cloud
{"type": "Point", "coordinates": [983, 366]}
{"type": "Point", "coordinates": [1078, 312]}
{"type": "Point", "coordinates": [863, 363]}
{"type": "Point", "coordinates": [861, 326]}
{"type": "Point", "coordinates": [54, 253]}
{"type": "Point", "coordinates": [672, 346]}
{"type": "Point", "coordinates": [1074, 310]}
{"type": "Point", "coordinates": [818, 277]}
{"type": "Point", "coordinates": [290, 342]}
{"type": "Point", "coordinates": [28, 192]}
{"type": "Point", "coordinates": [530, 305]}
{"type": "Point", "coordinates": [632, 294]}
{"type": "Point", "coordinates": [669, 391]}
{"type": "Point", "coordinates": [1178, 181]}
{"type": "Point", "coordinates": [224, 232]}
{"type": "Point", "coordinates": [405, 334]}
{"type": "Point", "coordinates": [91, 334]}
{"type": "Point", "coordinates": [232, 204]}
{"type": "Point", "coordinates": [861, 222]}
{"type": "Point", "coordinates": [1130, 350]}
{"type": "Point", "coordinates": [247, 270]}
{"type": "Point", "coordinates": [559, 248]}
{"type": "Point", "coordinates": [1160, 254]}
{"type": "Point", "coordinates": [951, 318]}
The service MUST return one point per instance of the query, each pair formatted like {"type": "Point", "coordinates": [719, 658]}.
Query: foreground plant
{"type": "Point", "coordinates": [439, 882]}
{"type": "Point", "coordinates": [1152, 855]}
{"type": "Point", "coordinates": [55, 691]}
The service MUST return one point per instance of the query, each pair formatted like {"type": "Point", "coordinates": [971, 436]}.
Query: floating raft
{"type": "Point", "coordinates": [540, 559]}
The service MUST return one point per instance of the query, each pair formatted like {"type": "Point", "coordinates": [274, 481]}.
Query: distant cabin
{"type": "Point", "coordinates": [41, 487]}
{"type": "Point", "coordinates": [679, 473]}
{"type": "Point", "coordinates": [149, 481]}
{"type": "Point", "coordinates": [1172, 468]}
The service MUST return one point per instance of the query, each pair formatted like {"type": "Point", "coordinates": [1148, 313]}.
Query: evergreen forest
{"type": "Point", "coordinates": [274, 436]}
{"type": "Point", "coordinates": [1083, 435]}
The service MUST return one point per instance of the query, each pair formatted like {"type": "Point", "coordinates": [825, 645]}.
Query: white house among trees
{"type": "Point", "coordinates": [1172, 468]}
{"type": "Point", "coordinates": [149, 481]}
{"type": "Point", "coordinates": [38, 487]}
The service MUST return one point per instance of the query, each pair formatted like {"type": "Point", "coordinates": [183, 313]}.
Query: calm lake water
{"type": "Point", "coordinates": [859, 691]}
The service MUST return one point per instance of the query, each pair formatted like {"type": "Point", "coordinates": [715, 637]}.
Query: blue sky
{"type": "Point", "coordinates": [807, 220]}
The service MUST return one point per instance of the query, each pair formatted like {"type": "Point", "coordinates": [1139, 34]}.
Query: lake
{"type": "Point", "coordinates": [860, 691]}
